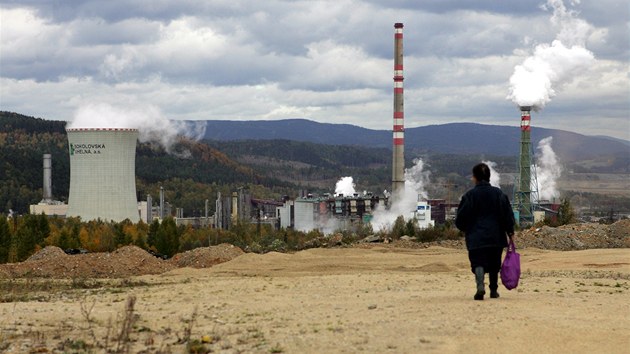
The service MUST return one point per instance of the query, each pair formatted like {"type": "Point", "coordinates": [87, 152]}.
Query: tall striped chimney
{"type": "Point", "coordinates": [524, 191]}
{"type": "Point", "coordinates": [398, 164]}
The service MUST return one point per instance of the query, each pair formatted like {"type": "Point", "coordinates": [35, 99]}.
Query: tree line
{"type": "Point", "coordinates": [23, 236]}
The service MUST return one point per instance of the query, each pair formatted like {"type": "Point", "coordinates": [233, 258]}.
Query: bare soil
{"type": "Point", "coordinates": [402, 297]}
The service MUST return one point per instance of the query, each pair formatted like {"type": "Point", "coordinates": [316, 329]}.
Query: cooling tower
{"type": "Point", "coordinates": [102, 174]}
{"type": "Point", "coordinates": [398, 158]}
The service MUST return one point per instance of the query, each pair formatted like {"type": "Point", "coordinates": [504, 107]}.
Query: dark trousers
{"type": "Point", "coordinates": [489, 259]}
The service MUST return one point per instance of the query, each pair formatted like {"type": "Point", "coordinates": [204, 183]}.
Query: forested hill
{"type": "Point", "coordinates": [272, 168]}
{"type": "Point", "coordinates": [269, 168]}
{"type": "Point", "coordinates": [454, 138]}
{"type": "Point", "coordinates": [23, 141]}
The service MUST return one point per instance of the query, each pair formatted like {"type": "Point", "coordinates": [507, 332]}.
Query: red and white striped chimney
{"type": "Point", "coordinates": [398, 164]}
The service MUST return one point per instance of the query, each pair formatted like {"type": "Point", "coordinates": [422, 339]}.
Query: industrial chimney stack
{"type": "Point", "coordinates": [398, 164]}
{"type": "Point", "coordinates": [47, 188]}
{"type": "Point", "coordinates": [524, 192]}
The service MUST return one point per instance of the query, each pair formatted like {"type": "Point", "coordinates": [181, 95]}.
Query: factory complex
{"type": "Point", "coordinates": [102, 185]}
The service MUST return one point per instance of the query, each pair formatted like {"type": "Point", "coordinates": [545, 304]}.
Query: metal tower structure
{"type": "Point", "coordinates": [526, 188]}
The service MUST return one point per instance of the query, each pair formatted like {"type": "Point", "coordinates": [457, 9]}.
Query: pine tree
{"type": "Point", "coordinates": [153, 234]}
{"type": "Point", "coordinates": [566, 215]}
{"type": "Point", "coordinates": [167, 240]}
{"type": "Point", "coordinates": [5, 239]}
{"type": "Point", "coordinates": [399, 227]}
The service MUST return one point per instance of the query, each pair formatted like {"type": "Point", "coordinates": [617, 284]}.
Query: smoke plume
{"type": "Point", "coordinates": [404, 202]}
{"type": "Point", "coordinates": [535, 81]}
{"type": "Point", "coordinates": [548, 171]}
{"type": "Point", "coordinates": [345, 186]}
{"type": "Point", "coordinates": [495, 177]}
{"type": "Point", "coordinates": [152, 125]}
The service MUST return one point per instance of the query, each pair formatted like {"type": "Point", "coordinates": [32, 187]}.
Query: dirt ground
{"type": "Point", "coordinates": [374, 299]}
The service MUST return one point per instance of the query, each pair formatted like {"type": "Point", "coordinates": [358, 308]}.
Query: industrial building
{"type": "Point", "coordinates": [422, 215]}
{"type": "Point", "coordinates": [102, 174]}
{"type": "Point", "coordinates": [102, 183]}
{"type": "Point", "coordinates": [328, 213]}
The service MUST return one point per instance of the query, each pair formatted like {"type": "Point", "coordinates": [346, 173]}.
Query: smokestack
{"type": "Point", "coordinates": [524, 192]}
{"type": "Point", "coordinates": [149, 209]}
{"type": "Point", "coordinates": [234, 207]}
{"type": "Point", "coordinates": [161, 203]}
{"type": "Point", "coordinates": [398, 163]}
{"type": "Point", "coordinates": [218, 214]}
{"type": "Point", "coordinates": [47, 188]}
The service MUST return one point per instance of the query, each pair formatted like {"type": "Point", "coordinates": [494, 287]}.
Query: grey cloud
{"type": "Point", "coordinates": [523, 7]}
{"type": "Point", "coordinates": [94, 32]}
{"type": "Point", "coordinates": [324, 60]}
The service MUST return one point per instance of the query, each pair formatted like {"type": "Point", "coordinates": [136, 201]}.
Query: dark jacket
{"type": "Point", "coordinates": [485, 216]}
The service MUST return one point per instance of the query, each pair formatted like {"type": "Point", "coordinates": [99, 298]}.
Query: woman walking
{"type": "Point", "coordinates": [486, 217]}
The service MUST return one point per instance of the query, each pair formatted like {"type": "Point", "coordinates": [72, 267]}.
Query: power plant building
{"type": "Point", "coordinates": [102, 174]}
{"type": "Point", "coordinates": [328, 213]}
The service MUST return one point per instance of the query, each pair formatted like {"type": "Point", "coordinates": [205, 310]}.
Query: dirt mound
{"type": "Point", "coordinates": [576, 236]}
{"type": "Point", "coordinates": [52, 262]}
{"type": "Point", "coordinates": [621, 230]}
{"type": "Point", "coordinates": [49, 252]}
{"type": "Point", "coordinates": [564, 238]}
{"type": "Point", "coordinates": [207, 256]}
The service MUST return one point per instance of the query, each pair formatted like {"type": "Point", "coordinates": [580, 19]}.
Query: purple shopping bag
{"type": "Point", "coordinates": [511, 267]}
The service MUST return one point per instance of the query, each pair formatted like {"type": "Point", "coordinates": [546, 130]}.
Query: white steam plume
{"type": "Point", "coordinates": [534, 82]}
{"type": "Point", "coordinates": [548, 171]}
{"type": "Point", "coordinates": [345, 186]}
{"type": "Point", "coordinates": [495, 176]}
{"type": "Point", "coordinates": [152, 125]}
{"type": "Point", "coordinates": [404, 202]}
{"type": "Point", "coordinates": [325, 224]}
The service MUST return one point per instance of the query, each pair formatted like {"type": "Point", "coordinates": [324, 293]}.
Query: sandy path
{"type": "Point", "coordinates": [356, 300]}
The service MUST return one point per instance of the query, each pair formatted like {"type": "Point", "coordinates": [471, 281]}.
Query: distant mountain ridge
{"type": "Point", "coordinates": [451, 138]}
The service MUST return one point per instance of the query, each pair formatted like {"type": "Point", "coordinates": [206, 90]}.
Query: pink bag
{"type": "Point", "coordinates": [511, 267]}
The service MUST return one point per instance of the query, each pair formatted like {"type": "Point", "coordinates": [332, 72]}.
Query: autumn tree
{"type": "Point", "coordinates": [138, 233]}
{"type": "Point", "coordinates": [121, 238]}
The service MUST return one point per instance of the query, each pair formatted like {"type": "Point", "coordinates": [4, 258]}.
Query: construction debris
{"type": "Point", "coordinates": [205, 257]}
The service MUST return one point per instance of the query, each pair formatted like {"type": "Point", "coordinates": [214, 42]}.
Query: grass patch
{"type": "Point", "coordinates": [42, 289]}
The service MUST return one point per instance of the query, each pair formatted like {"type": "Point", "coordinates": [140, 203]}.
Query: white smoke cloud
{"type": "Point", "coordinates": [345, 186]}
{"type": "Point", "coordinates": [534, 82]}
{"type": "Point", "coordinates": [495, 176]}
{"type": "Point", "coordinates": [404, 202]}
{"type": "Point", "coordinates": [548, 171]}
{"type": "Point", "coordinates": [328, 225]}
{"type": "Point", "coordinates": [152, 125]}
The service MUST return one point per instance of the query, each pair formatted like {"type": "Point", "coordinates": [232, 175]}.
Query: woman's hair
{"type": "Point", "coordinates": [481, 171]}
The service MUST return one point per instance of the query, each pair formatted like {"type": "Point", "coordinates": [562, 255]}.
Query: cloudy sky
{"type": "Point", "coordinates": [329, 61]}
